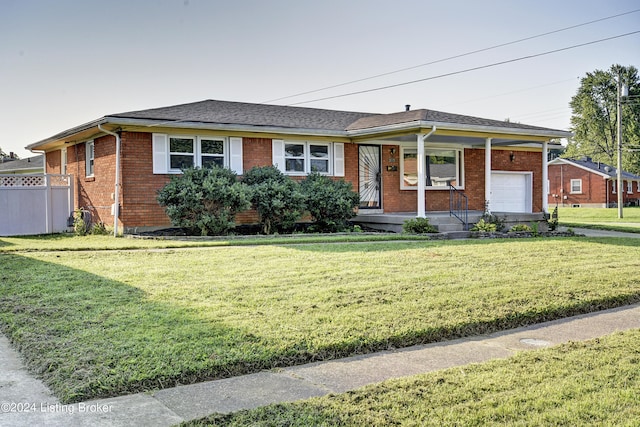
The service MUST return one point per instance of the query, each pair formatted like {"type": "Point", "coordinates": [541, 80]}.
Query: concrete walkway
{"type": "Point", "coordinates": [600, 233]}
{"type": "Point", "coordinates": [27, 402]}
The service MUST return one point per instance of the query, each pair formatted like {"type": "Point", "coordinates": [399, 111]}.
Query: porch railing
{"type": "Point", "coordinates": [459, 206]}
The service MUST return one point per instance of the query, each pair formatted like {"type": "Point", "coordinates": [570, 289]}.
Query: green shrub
{"type": "Point", "coordinates": [418, 226]}
{"type": "Point", "coordinates": [485, 226]}
{"type": "Point", "coordinates": [100, 229]}
{"type": "Point", "coordinates": [520, 227]}
{"type": "Point", "coordinates": [204, 201]}
{"type": "Point", "coordinates": [330, 203]}
{"type": "Point", "coordinates": [276, 197]}
{"type": "Point", "coordinates": [80, 226]}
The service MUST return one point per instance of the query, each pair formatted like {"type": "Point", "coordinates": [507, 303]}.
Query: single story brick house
{"type": "Point", "coordinates": [585, 183]}
{"type": "Point", "coordinates": [406, 162]}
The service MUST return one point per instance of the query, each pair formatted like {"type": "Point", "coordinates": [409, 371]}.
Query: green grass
{"type": "Point", "coordinates": [601, 218]}
{"type": "Point", "coordinates": [70, 242]}
{"type": "Point", "coordinates": [105, 323]}
{"type": "Point", "coordinates": [590, 383]}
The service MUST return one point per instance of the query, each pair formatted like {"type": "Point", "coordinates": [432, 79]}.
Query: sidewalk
{"type": "Point", "coordinates": [27, 402]}
{"type": "Point", "coordinates": [588, 232]}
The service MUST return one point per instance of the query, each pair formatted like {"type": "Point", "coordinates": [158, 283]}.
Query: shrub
{"type": "Point", "coordinates": [485, 226]}
{"type": "Point", "coordinates": [204, 201]}
{"type": "Point", "coordinates": [520, 227]}
{"type": "Point", "coordinates": [418, 226]}
{"type": "Point", "coordinates": [276, 197]}
{"type": "Point", "coordinates": [100, 229]}
{"type": "Point", "coordinates": [330, 203]}
{"type": "Point", "coordinates": [80, 226]}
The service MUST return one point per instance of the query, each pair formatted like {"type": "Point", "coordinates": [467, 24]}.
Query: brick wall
{"type": "Point", "coordinates": [53, 161]}
{"type": "Point", "coordinates": [596, 190]}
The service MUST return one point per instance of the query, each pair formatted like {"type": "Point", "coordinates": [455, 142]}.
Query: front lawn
{"type": "Point", "coordinates": [601, 218]}
{"type": "Point", "coordinates": [577, 384]}
{"type": "Point", "coordinates": [106, 323]}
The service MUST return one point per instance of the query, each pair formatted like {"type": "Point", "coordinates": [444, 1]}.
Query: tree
{"type": "Point", "coordinates": [204, 201]}
{"type": "Point", "coordinates": [594, 118]}
{"type": "Point", "coordinates": [276, 197]}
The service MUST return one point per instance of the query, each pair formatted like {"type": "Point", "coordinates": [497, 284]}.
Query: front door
{"type": "Point", "coordinates": [369, 176]}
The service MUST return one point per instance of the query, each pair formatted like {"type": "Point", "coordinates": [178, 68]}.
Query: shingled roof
{"type": "Point", "coordinates": [597, 167]}
{"type": "Point", "coordinates": [241, 113]}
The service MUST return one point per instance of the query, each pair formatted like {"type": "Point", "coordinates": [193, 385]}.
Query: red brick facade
{"type": "Point", "coordinates": [597, 190]}
{"type": "Point", "coordinates": [139, 185]}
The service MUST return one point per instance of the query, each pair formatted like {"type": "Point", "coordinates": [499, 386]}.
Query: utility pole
{"type": "Point", "coordinates": [619, 138]}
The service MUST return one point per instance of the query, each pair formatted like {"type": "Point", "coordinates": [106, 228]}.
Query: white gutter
{"type": "Point", "coordinates": [116, 210]}
{"type": "Point", "coordinates": [422, 177]}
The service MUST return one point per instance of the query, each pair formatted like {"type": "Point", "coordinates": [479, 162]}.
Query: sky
{"type": "Point", "coordinates": [64, 63]}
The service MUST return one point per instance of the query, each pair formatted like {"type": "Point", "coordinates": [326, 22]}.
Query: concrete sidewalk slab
{"type": "Point", "coordinates": [171, 406]}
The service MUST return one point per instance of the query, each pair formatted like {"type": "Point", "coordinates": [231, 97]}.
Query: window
{"type": "Point", "coordinates": [172, 153]}
{"type": "Point", "coordinates": [576, 186]}
{"type": "Point", "coordinates": [614, 185]}
{"type": "Point", "coordinates": [181, 152]}
{"type": "Point", "coordinates": [211, 152]}
{"type": "Point", "coordinates": [89, 157]}
{"type": "Point", "coordinates": [301, 158]}
{"type": "Point", "coordinates": [629, 187]}
{"type": "Point", "coordinates": [442, 168]}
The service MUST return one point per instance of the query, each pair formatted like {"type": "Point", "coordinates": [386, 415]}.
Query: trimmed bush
{"type": "Point", "coordinates": [276, 197]}
{"type": "Point", "coordinates": [330, 203]}
{"type": "Point", "coordinates": [418, 226]}
{"type": "Point", "coordinates": [204, 201]}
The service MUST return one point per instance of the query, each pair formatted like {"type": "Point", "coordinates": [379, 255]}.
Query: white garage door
{"type": "Point", "coordinates": [510, 192]}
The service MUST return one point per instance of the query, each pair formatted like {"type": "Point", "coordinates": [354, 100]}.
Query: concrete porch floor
{"type": "Point", "coordinates": [442, 220]}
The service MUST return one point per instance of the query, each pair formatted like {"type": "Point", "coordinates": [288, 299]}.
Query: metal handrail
{"type": "Point", "coordinates": [459, 206]}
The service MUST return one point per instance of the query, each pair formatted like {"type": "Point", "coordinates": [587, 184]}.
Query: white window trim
{"type": "Point", "coordinates": [629, 187]}
{"type": "Point", "coordinates": [307, 158]}
{"type": "Point", "coordinates": [162, 155]}
{"type": "Point", "coordinates": [571, 186]}
{"type": "Point", "coordinates": [614, 184]}
{"type": "Point", "coordinates": [89, 166]}
{"type": "Point", "coordinates": [459, 170]}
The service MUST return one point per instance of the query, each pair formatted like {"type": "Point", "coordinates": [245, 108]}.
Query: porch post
{"type": "Point", "coordinates": [422, 178]}
{"type": "Point", "coordinates": [545, 177]}
{"type": "Point", "coordinates": [487, 174]}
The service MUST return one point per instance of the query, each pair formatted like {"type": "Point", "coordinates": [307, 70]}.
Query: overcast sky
{"type": "Point", "coordinates": [64, 63]}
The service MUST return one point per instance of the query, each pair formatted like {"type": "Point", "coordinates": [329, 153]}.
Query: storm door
{"type": "Point", "coordinates": [369, 176]}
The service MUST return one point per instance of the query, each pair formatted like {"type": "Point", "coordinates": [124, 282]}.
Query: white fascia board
{"type": "Point", "coordinates": [67, 133]}
{"type": "Point", "coordinates": [151, 124]}
{"type": "Point", "coordinates": [461, 127]}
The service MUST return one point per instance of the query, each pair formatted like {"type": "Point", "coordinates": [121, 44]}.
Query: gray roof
{"type": "Point", "coordinates": [241, 113]}
{"type": "Point", "coordinates": [30, 163]}
{"type": "Point", "coordinates": [598, 167]}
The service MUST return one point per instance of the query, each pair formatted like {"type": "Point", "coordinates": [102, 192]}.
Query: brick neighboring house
{"type": "Point", "coordinates": [585, 183]}
{"type": "Point", "coordinates": [487, 160]}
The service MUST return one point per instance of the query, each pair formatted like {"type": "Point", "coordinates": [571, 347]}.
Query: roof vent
{"type": "Point", "coordinates": [585, 158]}
{"type": "Point", "coordinates": [607, 169]}
{"type": "Point", "coordinates": [407, 107]}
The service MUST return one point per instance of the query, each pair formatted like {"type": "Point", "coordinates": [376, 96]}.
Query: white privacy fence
{"type": "Point", "coordinates": [35, 204]}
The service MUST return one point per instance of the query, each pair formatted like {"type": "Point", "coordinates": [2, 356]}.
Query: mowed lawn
{"type": "Point", "coordinates": [602, 218]}
{"type": "Point", "coordinates": [596, 382]}
{"type": "Point", "coordinates": [105, 323]}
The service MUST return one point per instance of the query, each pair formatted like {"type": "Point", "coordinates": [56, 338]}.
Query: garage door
{"type": "Point", "coordinates": [510, 192]}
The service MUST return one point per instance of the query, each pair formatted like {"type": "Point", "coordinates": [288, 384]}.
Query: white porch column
{"type": "Point", "coordinates": [422, 178]}
{"type": "Point", "coordinates": [545, 177]}
{"type": "Point", "coordinates": [487, 173]}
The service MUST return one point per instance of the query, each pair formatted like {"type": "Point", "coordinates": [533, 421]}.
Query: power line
{"type": "Point", "coordinates": [452, 57]}
{"type": "Point", "coordinates": [522, 58]}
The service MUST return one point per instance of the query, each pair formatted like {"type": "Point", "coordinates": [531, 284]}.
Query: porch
{"type": "Point", "coordinates": [442, 220]}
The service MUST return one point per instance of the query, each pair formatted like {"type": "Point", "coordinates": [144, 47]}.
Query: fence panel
{"type": "Point", "coordinates": [35, 204]}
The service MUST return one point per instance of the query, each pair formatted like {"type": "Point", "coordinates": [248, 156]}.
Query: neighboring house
{"type": "Point", "coordinates": [29, 166]}
{"type": "Point", "coordinates": [403, 162]}
{"type": "Point", "coordinates": [585, 183]}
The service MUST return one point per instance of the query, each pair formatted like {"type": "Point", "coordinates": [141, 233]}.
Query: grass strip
{"type": "Point", "coordinates": [596, 382]}
{"type": "Point", "coordinates": [98, 324]}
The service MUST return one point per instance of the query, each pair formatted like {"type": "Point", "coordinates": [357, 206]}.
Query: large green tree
{"type": "Point", "coordinates": [594, 118]}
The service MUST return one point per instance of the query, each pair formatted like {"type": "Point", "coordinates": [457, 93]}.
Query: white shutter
{"type": "Point", "coordinates": [277, 152]}
{"type": "Point", "coordinates": [160, 149]}
{"type": "Point", "coordinates": [338, 159]}
{"type": "Point", "coordinates": [235, 155]}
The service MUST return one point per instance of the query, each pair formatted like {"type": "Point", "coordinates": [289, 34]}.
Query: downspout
{"type": "Point", "coordinates": [116, 209]}
{"type": "Point", "coordinates": [422, 179]}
